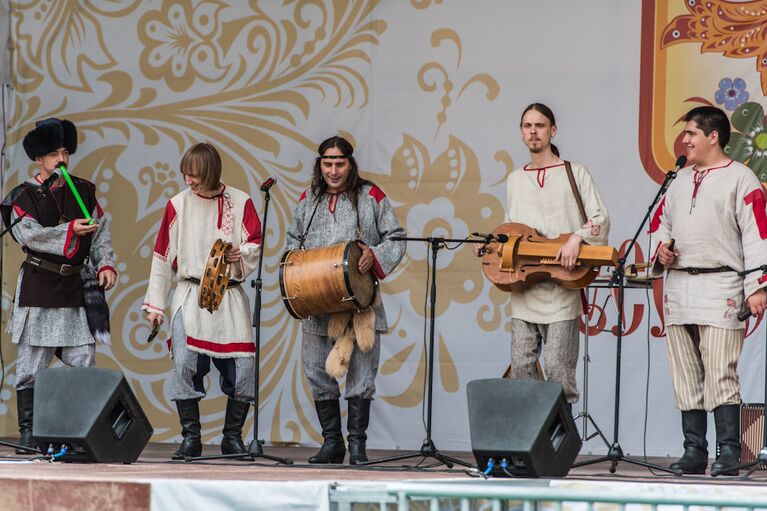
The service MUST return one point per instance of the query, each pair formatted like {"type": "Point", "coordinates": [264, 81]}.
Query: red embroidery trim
{"type": "Point", "coordinates": [377, 193]}
{"type": "Point", "coordinates": [757, 202]}
{"type": "Point", "coordinates": [655, 222]}
{"type": "Point", "coordinates": [700, 175]}
{"type": "Point", "coordinates": [70, 233]}
{"type": "Point", "coordinates": [251, 224]}
{"type": "Point", "coordinates": [162, 245]}
{"type": "Point", "coordinates": [105, 268]}
{"type": "Point", "coordinates": [541, 177]}
{"type": "Point", "coordinates": [377, 270]}
{"type": "Point", "coordinates": [332, 203]}
{"type": "Point", "coordinates": [235, 347]}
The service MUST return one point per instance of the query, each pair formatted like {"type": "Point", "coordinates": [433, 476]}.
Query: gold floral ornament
{"type": "Point", "coordinates": [735, 29]}
{"type": "Point", "coordinates": [254, 114]}
{"type": "Point", "coordinates": [424, 4]}
{"type": "Point", "coordinates": [181, 43]}
{"type": "Point", "coordinates": [68, 41]}
{"type": "Point", "coordinates": [429, 83]}
{"type": "Point", "coordinates": [437, 197]}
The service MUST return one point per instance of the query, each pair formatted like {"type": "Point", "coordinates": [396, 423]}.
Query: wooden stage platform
{"type": "Point", "coordinates": [42, 485]}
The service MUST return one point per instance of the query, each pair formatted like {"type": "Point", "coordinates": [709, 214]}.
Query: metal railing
{"type": "Point", "coordinates": [528, 498]}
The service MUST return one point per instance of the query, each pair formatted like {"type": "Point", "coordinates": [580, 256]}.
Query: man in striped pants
{"type": "Point", "coordinates": [711, 225]}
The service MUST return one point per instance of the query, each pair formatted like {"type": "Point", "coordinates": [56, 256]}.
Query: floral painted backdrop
{"type": "Point", "coordinates": [430, 91]}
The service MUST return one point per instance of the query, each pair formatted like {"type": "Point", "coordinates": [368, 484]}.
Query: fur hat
{"type": "Point", "coordinates": [48, 136]}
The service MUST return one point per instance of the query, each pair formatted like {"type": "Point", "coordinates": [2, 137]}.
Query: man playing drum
{"type": "Point", "coordinates": [338, 207]}
{"type": "Point", "coordinates": [540, 195]}
{"type": "Point", "coordinates": [194, 220]}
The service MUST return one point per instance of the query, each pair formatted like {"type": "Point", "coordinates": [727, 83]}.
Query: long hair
{"type": "Point", "coordinates": [353, 181]}
{"type": "Point", "coordinates": [547, 113]}
{"type": "Point", "coordinates": [203, 161]}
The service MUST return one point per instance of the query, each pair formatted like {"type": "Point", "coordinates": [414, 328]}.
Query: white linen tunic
{"type": "Point", "coordinates": [543, 199]}
{"type": "Point", "coordinates": [717, 217]}
{"type": "Point", "coordinates": [190, 226]}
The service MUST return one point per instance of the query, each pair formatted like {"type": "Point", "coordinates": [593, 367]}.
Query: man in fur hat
{"type": "Point", "coordinates": [65, 255]}
{"type": "Point", "coordinates": [342, 206]}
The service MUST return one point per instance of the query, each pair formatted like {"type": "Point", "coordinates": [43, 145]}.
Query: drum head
{"type": "Point", "coordinates": [362, 285]}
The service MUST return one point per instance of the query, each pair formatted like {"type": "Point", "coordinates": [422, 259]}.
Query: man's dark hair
{"type": "Point", "coordinates": [354, 182]}
{"type": "Point", "coordinates": [547, 113]}
{"type": "Point", "coordinates": [711, 118]}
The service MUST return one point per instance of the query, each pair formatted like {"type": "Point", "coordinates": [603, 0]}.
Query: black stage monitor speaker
{"type": "Point", "coordinates": [523, 425]}
{"type": "Point", "coordinates": [92, 411]}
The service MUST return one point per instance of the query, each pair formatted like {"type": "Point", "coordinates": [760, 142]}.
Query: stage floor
{"type": "Point", "coordinates": [40, 484]}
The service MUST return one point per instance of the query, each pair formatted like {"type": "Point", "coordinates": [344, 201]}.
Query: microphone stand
{"type": "Point", "coordinates": [428, 449]}
{"type": "Point", "coordinates": [255, 449]}
{"type": "Point", "coordinates": [615, 453]}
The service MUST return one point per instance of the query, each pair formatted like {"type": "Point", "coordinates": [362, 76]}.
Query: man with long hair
{"type": "Point", "coordinates": [341, 206]}
{"type": "Point", "coordinates": [714, 211]}
{"type": "Point", "coordinates": [207, 211]}
{"type": "Point", "coordinates": [544, 317]}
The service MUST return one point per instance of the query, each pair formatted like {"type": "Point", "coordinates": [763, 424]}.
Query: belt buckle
{"type": "Point", "coordinates": [694, 271]}
{"type": "Point", "coordinates": [34, 261]}
{"type": "Point", "coordinates": [64, 268]}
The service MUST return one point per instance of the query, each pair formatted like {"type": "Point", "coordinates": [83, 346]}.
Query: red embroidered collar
{"type": "Point", "coordinates": [541, 177]}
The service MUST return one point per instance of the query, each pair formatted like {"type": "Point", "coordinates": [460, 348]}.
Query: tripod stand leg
{"type": "Point", "coordinates": [256, 451]}
{"type": "Point", "coordinates": [428, 450]}
{"type": "Point", "coordinates": [589, 419]}
{"type": "Point", "coordinates": [615, 455]}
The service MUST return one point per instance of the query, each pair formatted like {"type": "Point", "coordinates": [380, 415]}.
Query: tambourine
{"type": "Point", "coordinates": [215, 277]}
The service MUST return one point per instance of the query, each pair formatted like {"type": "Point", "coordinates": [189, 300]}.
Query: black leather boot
{"type": "Point", "coordinates": [357, 424]}
{"type": "Point", "coordinates": [236, 413]}
{"type": "Point", "coordinates": [727, 420]}
{"type": "Point", "coordinates": [189, 416]}
{"type": "Point", "coordinates": [333, 449]}
{"type": "Point", "coordinates": [25, 405]}
{"type": "Point", "coordinates": [695, 457]}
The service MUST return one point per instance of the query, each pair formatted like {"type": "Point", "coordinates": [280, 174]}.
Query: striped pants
{"type": "Point", "coordinates": [704, 365]}
{"type": "Point", "coordinates": [360, 379]}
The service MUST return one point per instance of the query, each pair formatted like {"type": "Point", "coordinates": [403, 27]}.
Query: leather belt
{"type": "Point", "coordinates": [698, 271]}
{"type": "Point", "coordinates": [232, 283]}
{"type": "Point", "coordinates": [65, 270]}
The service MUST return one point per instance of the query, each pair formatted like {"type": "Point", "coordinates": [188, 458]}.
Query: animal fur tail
{"type": "Point", "coordinates": [96, 308]}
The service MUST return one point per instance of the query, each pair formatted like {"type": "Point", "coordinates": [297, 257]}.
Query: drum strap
{"type": "Point", "coordinates": [306, 231]}
{"type": "Point", "coordinates": [303, 236]}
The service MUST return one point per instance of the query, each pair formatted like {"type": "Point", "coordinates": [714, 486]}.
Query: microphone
{"type": "Point", "coordinates": [680, 162]}
{"type": "Point", "coordinates": [268, 184]}
{"type": "Point", "coordinates": [500, 238]}
{"type": "Point", "coordinates": [742, 315]}
{"type": "Point", "coordinates": [155, 331]}
{"type": "Point", "coordinates": [45, 186]}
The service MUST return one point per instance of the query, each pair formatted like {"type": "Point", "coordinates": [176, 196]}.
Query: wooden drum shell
{"type": "Point", "coordinates": [324, 280]}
